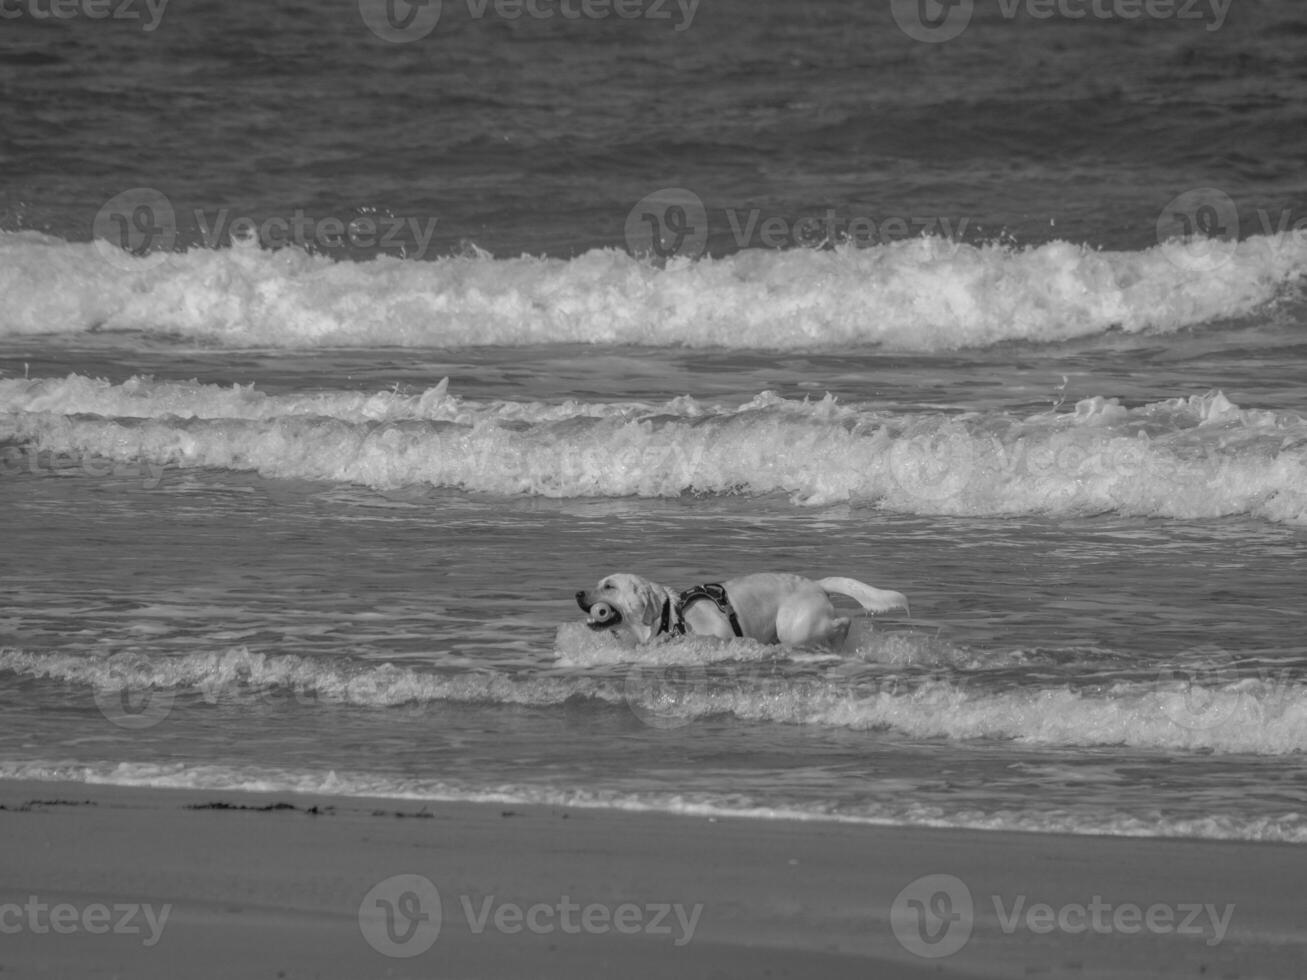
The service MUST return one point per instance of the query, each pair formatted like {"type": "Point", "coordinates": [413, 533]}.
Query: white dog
{"type": "Point", "coordinates": [769, 607]}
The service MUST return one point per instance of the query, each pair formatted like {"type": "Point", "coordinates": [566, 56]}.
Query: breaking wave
{"type": "Point", "coordinates": [1261, 714]}
{"type": "Point", "coordinates": [1188, 458]}
{"type": "Point", "coordinates": [919, 295]}
{"type": "Point", "coordinates": [263, 779]}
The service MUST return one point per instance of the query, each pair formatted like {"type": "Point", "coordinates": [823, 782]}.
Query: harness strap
{"type": "Point", "coordinates": [711, 591]}
{"type": "Point", "coordinates": [665, 625]}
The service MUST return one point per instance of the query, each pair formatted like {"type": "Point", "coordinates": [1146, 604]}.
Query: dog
{"type": "Point", "coordinates": [768, 607]}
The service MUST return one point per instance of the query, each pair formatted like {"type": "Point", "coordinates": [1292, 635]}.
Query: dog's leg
{"type": "Point", "coordinates": [839, 633]}
{"type": "Point", "coordinates": [809, 618]}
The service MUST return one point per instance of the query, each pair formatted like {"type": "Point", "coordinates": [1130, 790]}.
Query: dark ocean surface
{"type": "Point", "coordinates": [331, 366]}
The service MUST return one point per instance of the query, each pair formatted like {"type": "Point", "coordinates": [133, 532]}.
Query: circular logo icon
{"type": "Point", "coordinates": [932, 21]}
{"type": "Point", "coordinates": [933, 916]}
{"type": "Point", "coordinates": [1204, 223]}
{"type": "Point", "coordinates": [1201, 697]}
{"type": "Point", "coordinates": [400, 21]}
{"type": "Point", "coordinates": [401, 916]}
{"type": "Point", "coordinates": [1127, 458]}
{"type": "Point", "coordinates": [670, 223]}
{"type": "Point", "coordinates": [136, 229]}
{"type": "Point", "coordinates": [666, 695]}
{"type": "Point", "coordinates": [126, 699]}
{"type": "Point", "coordinates": [932, 466]}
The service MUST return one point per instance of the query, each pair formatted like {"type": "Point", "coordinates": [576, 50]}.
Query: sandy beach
{"type": "Point", "coordinates": [107, 881]}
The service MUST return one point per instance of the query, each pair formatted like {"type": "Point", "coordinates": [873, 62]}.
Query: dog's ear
{"type": "Point", "coordinates": [652, 602]}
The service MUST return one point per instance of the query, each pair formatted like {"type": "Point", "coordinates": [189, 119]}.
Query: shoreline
{"type": "Point", "coordinates": [277, 884]}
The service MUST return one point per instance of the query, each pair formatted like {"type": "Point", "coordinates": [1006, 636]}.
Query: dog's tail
{"type": "Point", "coordinates": [872, 600]}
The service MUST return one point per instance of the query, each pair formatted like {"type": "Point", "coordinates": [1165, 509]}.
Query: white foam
{"type": "Point", "coordinates": [240, 675]}
{"type": "Point", "coordinates": [1288, 827]}
{"type": "Point", "coordinates": [146, 398]}
{"type": "Point", "coordinates": [1195, 457]}
{"type": "Point", "coordinates": [577, 645]}
{"type": "Point", "coordinates": [1264, 715]}
{"type": "Point", "coordinates": [923, 294]}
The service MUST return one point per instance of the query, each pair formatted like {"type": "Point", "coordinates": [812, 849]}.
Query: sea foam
{"type": "Point", "coordinates": [920, 295]}
{"type": "Point", "coordinates": [1285, 827]}
{"type": "Point", "coordinates": [1264, 714]}
{"type": "Point", "coordinates": [1194, 457]}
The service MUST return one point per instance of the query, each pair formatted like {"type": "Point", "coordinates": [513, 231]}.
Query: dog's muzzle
{"type": "Point", "coordinates": [602, 615]}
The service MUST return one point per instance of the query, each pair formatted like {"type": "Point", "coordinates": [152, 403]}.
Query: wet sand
{"type": "Point", "coordinates": [106, 881]}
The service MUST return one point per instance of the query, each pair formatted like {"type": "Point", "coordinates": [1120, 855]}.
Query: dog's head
{"type": "Point", "coordinates": [624, 600]}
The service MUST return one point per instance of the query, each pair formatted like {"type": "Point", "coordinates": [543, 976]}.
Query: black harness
{"type": "Point", "coordinates": [711, 591]}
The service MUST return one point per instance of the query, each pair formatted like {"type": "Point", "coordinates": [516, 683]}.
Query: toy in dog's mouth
{"type": "Point", "coordinates": [602, 615]}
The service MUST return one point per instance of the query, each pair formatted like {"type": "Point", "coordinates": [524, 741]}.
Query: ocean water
{"type": "Point", "coordinates": [336, 355]}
